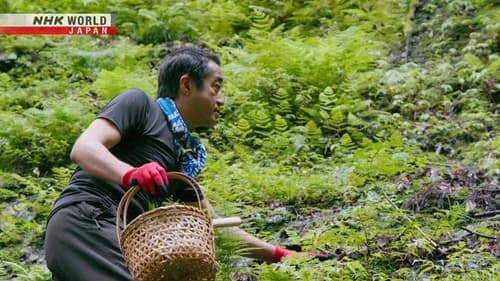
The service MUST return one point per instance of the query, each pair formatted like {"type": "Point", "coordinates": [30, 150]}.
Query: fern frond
{"type": "Point", "coordinates": [346, 142]}
{"type": "Point", "coordinates": [327, 98]}
{"type": "Point", "coordinates": [336, 122]}
{"type": "Point", "coordinates": [244, 127]}
{"type": "Point", "coordinates": [261, 21]}
{"type": "Point", "coordinates": [280, 123]}
{"type": "Point", "coordinates": [281, 99]}
{"type": "Point", "coordinates": [312, 133]}
{"type": "Point", "coordinates": [262, 121]}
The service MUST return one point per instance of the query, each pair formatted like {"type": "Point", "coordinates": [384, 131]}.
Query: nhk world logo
{"type": "Point", "coordinates": [57, 24]}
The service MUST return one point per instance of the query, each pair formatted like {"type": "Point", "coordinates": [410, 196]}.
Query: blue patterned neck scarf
{"type": "Point", "coordinates": [190, 150]}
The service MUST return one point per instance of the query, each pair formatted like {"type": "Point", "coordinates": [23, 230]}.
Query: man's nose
{"type": "Point", "coordinates": [219, 99]}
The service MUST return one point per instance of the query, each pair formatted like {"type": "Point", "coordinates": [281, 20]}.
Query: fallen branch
{"type": "Point", "coordinates": [454, 240]}
{"type": "Point", "coordinates": [486, 214]}
{"type": "Point", "coordinates": [479, 234]}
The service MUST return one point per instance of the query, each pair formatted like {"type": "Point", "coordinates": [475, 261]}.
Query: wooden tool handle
{"type": "Point", "coordinates": [226, 222]}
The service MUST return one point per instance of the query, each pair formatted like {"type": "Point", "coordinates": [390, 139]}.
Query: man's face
{"type": "Point", "coordinates": [208, 100]}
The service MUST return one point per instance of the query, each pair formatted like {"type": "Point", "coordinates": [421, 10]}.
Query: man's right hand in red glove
{"type": "Point", "coordinates": [148, 177]}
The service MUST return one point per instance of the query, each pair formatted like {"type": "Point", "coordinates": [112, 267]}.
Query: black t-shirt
{"type": "Point", "coordinates": [145, 137]}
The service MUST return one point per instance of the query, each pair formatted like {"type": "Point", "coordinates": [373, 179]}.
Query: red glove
{"type": "Point", "coordinates": [280, 253]}
{"type": "Point", "coordinates": [147, 176]}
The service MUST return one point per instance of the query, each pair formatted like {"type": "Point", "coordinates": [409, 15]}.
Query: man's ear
{"type": "Point", "coordinates": [185, 85]}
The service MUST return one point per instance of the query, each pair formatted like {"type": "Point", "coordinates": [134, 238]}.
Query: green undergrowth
{"type": "Point", "coordinates": [367, 129]}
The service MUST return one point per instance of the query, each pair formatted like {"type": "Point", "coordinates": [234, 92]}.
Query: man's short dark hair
{"type": "Point", "coordinates": [183, 60]}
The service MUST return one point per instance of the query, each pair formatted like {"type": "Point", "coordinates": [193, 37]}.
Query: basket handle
{"type": "Point", "coordinates": [127, 198]}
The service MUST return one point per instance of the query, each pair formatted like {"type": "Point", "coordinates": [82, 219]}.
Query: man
{"type": "Point", "coordinates": [135, 140]}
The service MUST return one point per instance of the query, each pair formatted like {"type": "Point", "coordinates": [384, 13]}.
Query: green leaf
{"type": "Point", "coordinates": [473, 61]}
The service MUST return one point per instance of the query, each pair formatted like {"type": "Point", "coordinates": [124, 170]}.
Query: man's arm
{"type": "Point", "coordinates": [91, 151]}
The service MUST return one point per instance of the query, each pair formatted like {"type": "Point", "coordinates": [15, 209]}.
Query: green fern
{"type": "Point", "coordinates": [354, 121]}
{"type": "Point", "coordinates": [346, 142]}
{"type": "Point", "coordinates": [327, 99]}
{"type": "Point", "coordinates": [262, 122]}
{"type": "Point", "coordinates": [261, 21]}
{"type": "Point", "coordinates": [244, 128]}
{"type": "Point", "coordinates": [312, 134]}
{"type": "Point", "coordinates": [336, 122]}
{"type": "Point", "coordinates": [111, 83]}
{"type": "Point", "coordinates": [356, 135]}
{"type": "Point", "coordinates": [280, 123]}
{"type": "Point", "coordinates": [281, 101]}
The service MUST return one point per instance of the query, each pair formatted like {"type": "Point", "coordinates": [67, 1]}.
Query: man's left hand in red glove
{"type": "Point", "coordinates": [280, 253]}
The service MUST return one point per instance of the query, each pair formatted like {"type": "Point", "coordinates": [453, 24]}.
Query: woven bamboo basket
{"type": "Point", "coordinates": [174, 243]}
